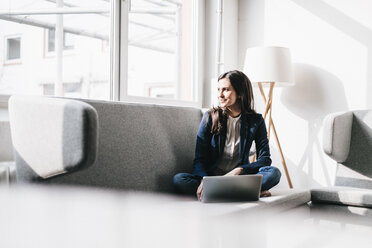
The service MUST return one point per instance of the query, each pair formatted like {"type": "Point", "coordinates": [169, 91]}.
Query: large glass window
{"type": "Point", "coordinates": [162, 45]}
{"type": "Point", "coordinates": [66, 49]}
{"type": "Point", "coordinates": [80, 67]}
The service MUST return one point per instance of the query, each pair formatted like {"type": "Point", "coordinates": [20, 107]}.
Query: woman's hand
{"type": "Point", "coordinates": [235, 172]}
{"type": "Point", "coordinates": [199, 191]}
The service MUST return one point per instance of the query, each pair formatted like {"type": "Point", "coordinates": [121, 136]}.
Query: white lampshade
{"type": "Point", "coordinates": [269, 64]}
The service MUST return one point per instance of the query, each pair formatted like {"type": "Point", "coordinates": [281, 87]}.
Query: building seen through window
{"type": "Point", "coordinates": [158, 39]}
{"type": "Point", "coordinates": [31, 64]}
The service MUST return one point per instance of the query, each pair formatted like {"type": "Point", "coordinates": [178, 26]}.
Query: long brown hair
{"type": "Point", "coordinates": [243, 88]}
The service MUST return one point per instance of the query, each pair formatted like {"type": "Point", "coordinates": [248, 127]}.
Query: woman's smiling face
{"type": "Point", "coordinates": [226, 94]}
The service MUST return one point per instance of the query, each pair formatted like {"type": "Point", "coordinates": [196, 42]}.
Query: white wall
{"type": "Point", "coordinates": [331, 46]}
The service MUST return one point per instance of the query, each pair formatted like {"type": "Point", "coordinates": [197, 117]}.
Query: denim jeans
{"type": "Point", "coordinates": [186, 183]}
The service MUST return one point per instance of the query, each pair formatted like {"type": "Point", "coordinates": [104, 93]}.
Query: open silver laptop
{"type": "Point", "coordinates": [231, 188]}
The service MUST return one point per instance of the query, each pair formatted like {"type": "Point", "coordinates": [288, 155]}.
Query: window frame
{"type": "Point", "coordinates": [12, 61]}
{"type": "Point", "coordinates": [120, 57]}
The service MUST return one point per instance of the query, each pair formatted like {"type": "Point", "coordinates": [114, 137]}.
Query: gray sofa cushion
{"type": "Point", "coordinates": [342, 195]}
{"type": "Point", "coordinates": [51, 136]}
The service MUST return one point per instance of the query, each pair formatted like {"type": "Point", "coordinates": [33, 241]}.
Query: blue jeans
{"type": "Point", "coordinates": [186, 183]}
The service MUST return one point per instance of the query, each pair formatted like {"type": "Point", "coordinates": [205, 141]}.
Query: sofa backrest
{"type": "Point", "coordinates": [348, 140]}
{"type": "Point", "coordinates": [140, 146]}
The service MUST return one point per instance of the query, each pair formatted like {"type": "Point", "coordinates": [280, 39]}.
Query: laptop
{"type": "Point", "coordinates": [231, 188]}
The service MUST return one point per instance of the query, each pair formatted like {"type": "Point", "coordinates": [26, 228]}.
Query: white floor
{"type": "Point", "coordinates": [321, 226]}
{"type": "Point", "coordinates": [84, 218]}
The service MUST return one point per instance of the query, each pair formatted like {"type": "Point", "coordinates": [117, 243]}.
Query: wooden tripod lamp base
{"type": "Point", "coordinates": [271, 126]}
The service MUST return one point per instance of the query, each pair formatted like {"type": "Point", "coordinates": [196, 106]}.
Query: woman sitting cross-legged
{"type": "Point", "coordinates": [225, 138]}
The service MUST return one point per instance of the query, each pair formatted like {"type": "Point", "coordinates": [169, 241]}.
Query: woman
{"type": "Point", "coordinates": [225, 137]}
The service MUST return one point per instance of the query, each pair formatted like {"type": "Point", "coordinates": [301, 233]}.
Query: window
{"type": "Point", "coordinates": [137, 50]}
{"type": "Point", "coordinates": [68, 40]}
{"type": "Point", "coordinates": [13, 49]}
{"type": "Point", "coordinates": [83, 73]}
{"type": "Point", "coordinates": [162, 50]}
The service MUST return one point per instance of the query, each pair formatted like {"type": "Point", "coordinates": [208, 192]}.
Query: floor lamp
{"type": "Point", "coordinates": [269, 67]}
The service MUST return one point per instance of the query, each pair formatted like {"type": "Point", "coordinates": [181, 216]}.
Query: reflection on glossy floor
{"type": "Point", "coordinates": [321, 226]}
{"type": "Point", "coordinates": [306, 226]}
{"type": "Point", "coordinates": [72, 217]}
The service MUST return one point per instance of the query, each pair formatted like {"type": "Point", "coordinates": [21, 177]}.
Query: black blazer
{"type": "Point", "coordinates": [209, 147]}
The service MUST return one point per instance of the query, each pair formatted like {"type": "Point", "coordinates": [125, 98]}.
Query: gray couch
{"type": "Point", "coordinates": [103, 144]}
{"type": "Point", "coordinates": [113, 145]}
{"type": "Point", "coordinates": [348, 141]}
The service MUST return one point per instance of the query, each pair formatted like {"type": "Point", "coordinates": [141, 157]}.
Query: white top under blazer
{"type": "Point", "coordinates": [230, 157]}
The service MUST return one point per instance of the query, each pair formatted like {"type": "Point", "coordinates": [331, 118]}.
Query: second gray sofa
{"type": "Point", "coordinates": [348, 141]}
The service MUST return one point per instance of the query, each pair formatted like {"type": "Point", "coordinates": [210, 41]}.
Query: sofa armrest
{"type": "Point", "coordinates": [337, 135]}
{"type": "Point", "coordinates": [51, 136]}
